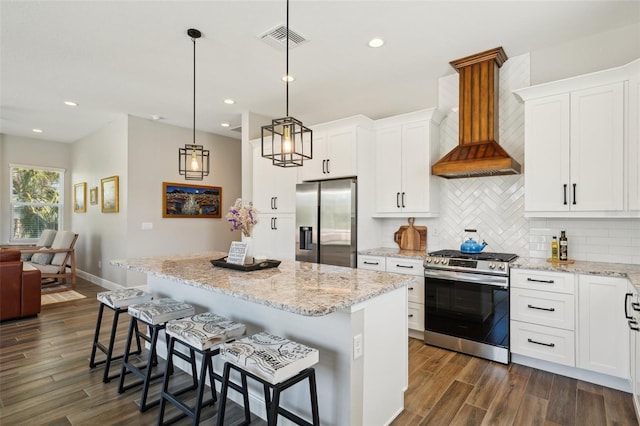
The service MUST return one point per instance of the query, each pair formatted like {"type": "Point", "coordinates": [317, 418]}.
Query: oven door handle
{"type": "Point", "coordinates": [469, 278]}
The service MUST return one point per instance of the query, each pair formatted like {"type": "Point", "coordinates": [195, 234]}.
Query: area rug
{"type": "Point", "coordinates": [65, 296]}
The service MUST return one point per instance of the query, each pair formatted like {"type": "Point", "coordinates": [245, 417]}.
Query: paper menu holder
{"type": "Point", "coordinates": [238, 253]}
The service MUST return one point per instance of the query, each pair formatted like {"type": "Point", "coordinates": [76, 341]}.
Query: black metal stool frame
{"type": "Point", "coordinates": [147, 376]}
{"type": "Point", "coordinates": [273, 407]}
{"type": "Point", "coordinates": [108, 351]}
{"type": "Point", "coordinates": [206, 369]}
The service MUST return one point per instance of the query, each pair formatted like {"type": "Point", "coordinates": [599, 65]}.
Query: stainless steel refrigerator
{"type": "Point", "coordinates": [326, 222]}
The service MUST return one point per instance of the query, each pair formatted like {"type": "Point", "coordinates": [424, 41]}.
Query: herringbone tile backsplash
{"type": "Point", "coordinates": [495, 205]}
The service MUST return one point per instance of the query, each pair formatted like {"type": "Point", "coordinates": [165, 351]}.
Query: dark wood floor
{"type": "Point", "coordinates": [45, 379]}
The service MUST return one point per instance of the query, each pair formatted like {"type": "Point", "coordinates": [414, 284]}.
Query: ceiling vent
{"type": "Point", "coordinates": [277, 37]}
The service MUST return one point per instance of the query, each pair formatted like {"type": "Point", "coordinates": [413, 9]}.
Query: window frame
{"type": "Point", "coordinates": [12, 205]}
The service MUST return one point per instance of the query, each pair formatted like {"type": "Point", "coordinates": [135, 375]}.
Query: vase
{"type": "Point", "coordinates": [248, 260]}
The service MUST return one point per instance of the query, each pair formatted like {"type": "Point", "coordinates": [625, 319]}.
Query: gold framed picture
{"type": "Point", "coordinates": [93, 195]}
{"type": "Point", "coordinates": [191, 201]}
{"type": "Point", "coordinates": [109, 190]}
{"type": "Point", "coordinates": [80, 197]}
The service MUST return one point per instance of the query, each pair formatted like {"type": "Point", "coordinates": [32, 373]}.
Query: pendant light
{"type": "Point", "coordinates": [193, 160]}
{"type": "Point", "coordinates": [286, 141]}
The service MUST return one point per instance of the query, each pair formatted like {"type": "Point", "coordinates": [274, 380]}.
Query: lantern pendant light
{"type": "Point", "coordinates": [193, 160]}
{"type": "Point", "coordinates": [286, 141]}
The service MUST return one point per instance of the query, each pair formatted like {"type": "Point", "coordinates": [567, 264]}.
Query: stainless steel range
{"type": "Point", "coordinates": [467, 303]}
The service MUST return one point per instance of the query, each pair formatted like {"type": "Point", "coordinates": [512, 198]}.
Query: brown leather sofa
{"type": "Point", "coordinates": [19, 290]}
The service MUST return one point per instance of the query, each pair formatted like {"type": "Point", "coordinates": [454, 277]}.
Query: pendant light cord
{"type": "Point", "coordinates": [287, 70]}
{"type": "Point", "coordinates": [194, 90]}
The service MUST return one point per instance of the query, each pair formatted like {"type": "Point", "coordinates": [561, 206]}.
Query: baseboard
{"type": "Point", "coordinates": [98, 280]}
{"type": "Point", "coordinates": [573, 372]}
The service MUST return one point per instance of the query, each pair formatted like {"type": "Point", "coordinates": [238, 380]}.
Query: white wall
{"type": "Point", "coordinates": [35, 152]}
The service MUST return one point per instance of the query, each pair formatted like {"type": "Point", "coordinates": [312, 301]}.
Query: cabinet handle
{"type": "Point", "coordinates": [541, 309]}
{"type": "Point", "coordinates": [328, 171]}
{"type": "Point", "coordinates": [275, 203]}
{"type": "Point", "coordinates": [403, 200]}
{"type": "Point", "coordinates": [540, 281]}
{"type": "Point", "coordinates": [635, 306]}
{"type": "Point", "coordinates": [404, 266]}
{"type": "Point", "coordinates": [275, 223]}
{"type": "Point", "coordinates": [550, 345]}
{"type": "Point", "coordinates": [626, 305]}
{"type": "Point", "coordinates": [398, 199]}
{"type": "Point", "coordinates": [565, 194]}
{"type": "Point", "coordinates": [410, 315]}
{"type": "Point", "coordinates": [574, 194]}
{"type": "Point", "coordinates": [633, 325]}
{"type": "Point", "coordinates": [410, 288]}
{"type": "Point", "coordinates": [371, 263]}
{"type": "Point", "coordinates": [271, 203]}
{"type": "Point", "coordinates": [324, 162]}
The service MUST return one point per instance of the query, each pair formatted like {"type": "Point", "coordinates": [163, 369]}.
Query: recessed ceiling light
{"type": "Point", "coordinates": [288, 78]}
{"type": "Point", "coordinates": [70, 103]}
{"type": "Point", "coordinates": [229, 101]}
{"type": "Point", "coordinates": [376, 42]}
{"type": "Point", "coordinates": [224, 124]}
{"type": "Point", "coordinates": [36, 130]}
{"type": "Point", "coordinates": [156, 117]}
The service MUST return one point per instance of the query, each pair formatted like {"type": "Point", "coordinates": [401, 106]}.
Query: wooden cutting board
{"type": "Point", "coordinates": [411, 237]}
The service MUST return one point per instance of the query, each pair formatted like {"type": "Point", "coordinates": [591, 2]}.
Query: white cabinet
{"type": "Point", "coordinates": [405, 148]}
{"type": "Point", "coordinates": [415, 291]}
{"type": "Point", "coordinates": [334, 154]}
{"type": "Point", "coordinates": [274, 188]}
{"type": "Point", "coordinates": [632, 311]}
{"type": "Point", "coordinates": [603, 333]}
{"type": "Point", "coordinates": [574, 145]}
{"type": "Point", "coordinates": [274, 236]}
{"type": "Point", "coordinates": [543, 315]}
{"type": "Point", "coordinates": [581, 145]}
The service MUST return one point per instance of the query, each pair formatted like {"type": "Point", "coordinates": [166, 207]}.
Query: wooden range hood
{"type": "Point", "coordinates": [478, 152]}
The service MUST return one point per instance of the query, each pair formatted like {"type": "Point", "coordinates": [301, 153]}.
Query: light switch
{"type": "Point", "coordinates": [357, 346]}
{"type": "Point", "coordinates": [147, 226]}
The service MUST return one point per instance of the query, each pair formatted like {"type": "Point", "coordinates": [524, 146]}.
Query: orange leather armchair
{"type": "Point", "coordinates": [19, 289]}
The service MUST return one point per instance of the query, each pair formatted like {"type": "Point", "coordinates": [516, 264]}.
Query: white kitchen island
{"type": "Point", "coordinates": [357, 319]}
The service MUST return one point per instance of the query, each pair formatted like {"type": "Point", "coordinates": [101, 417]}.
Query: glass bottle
{"type": "Point", "coordinates": [564, 247]}
{"type": "Point", "coordinates": [554, 248]}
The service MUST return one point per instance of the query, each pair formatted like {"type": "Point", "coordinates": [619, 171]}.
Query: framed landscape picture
{"type": "Point", "coordinates": [80, 197]}
{"type": "Point", "coordinates": [184, 200]}
{"type": "Point", "coordinates": [109, 189]}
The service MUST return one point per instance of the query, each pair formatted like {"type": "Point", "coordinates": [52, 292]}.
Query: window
{"type": "Point", "coordinates": [37, 201]}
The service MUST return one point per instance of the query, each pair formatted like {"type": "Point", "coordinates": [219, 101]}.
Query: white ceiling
{"type": "Point", "coordinates": [134, 57]}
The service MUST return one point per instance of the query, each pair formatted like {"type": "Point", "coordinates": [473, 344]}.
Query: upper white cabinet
{"type": "Point", "coordinates": [603, 333]}
{"type": "Point", "coordinates": [405, 148]}
{"type": "Point", "coordinates": [274, 188]}
{"type": "Point", "coordinates": [334, 150]}
{"type": "Point", "coordinates": [576, 135]}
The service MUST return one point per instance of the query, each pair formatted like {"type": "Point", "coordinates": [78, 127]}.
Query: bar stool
{"type": "Point", "coordinates": [118, 301]}
{"type": "Point", "coordinates": [203, 334]}
{"type": "Point", "coordinates": [155, 315]}
{"type": "Point", "coordinates": [275, 362]}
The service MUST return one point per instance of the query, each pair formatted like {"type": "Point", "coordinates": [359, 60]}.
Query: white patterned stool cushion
{"type": "Point", "coordinates": [272, 358]}
{"type": "Point", "coordinates": [123, 297]}
{"type": "Point", "coordinates": [160, 311]}
{"type": "Point", "coordinates": [204, 331]}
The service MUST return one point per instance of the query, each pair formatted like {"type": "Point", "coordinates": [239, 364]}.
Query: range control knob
{"type": "Point", "coordinates": [428, 260]}
{"type": "Point", "coordinates": [501, 266]}
{"type": "Point", "coordinates": [492, 265]}
{"type": "Point", "coordinates": [445, 261]}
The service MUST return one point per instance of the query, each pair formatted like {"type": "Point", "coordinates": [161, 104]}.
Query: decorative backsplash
{"type": "Point", "coordinates": [495, 205]}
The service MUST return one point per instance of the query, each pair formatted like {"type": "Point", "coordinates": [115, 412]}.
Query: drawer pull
{"type": "Point", "coordinates": [550, 345]}
{"type": "Point", "coordinates": [371, 263]}
{"type": "Point", "coordinates": [626, 304]}
{"type": "Point", "coordinates": [541, 309]}
{"type": "Point", "coordinates": [541, 281]}
{"type": "Point", "coordinates": [633, 325]}
{"type": "Point", "coordinates": [410, 288]}
{"type": "Point", "coordinates": [410, 315]}
{"type": "Point", "coordinates": [404, 266]}
{"type": "Point", "coordinates": [635, 306]}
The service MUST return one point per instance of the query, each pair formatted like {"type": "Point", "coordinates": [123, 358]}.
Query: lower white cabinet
{"type": "Point", "coordinates": [274, 236]}
{"type": "Point", "coordinates": [603, 333]}
{"type": "Point", "coordinates": [632, 309]}
{"type": "Point", "coordinates": [543, 315]}
{"type": "Point", "coordinates": [415, 291]}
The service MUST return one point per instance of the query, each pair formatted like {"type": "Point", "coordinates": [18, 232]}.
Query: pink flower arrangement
{"type": "Point", "coordinates": [242, 217]}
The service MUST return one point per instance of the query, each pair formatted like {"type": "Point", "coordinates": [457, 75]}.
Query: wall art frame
{"type": "Point", "coordinates": [181, 200]}
{"type": "Point", "coordinates": [80, 197]}
{"type": "Point", "coordinates": [110, 194]}
{"type": "Point", "coordinates": [93, 195]}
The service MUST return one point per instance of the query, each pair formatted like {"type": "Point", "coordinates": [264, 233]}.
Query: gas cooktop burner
{"type": "Point", "coordinates": [488, 256]}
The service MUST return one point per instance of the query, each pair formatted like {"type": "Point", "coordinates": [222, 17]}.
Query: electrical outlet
{"type": "Point", "coordinates": [99, 264]}
{"type": "Point", "coordinates": [357, 346]}
{"type": "Point", "coordinates": [146, 226]}
{"type": "Point", "coordinates": [435, 232]}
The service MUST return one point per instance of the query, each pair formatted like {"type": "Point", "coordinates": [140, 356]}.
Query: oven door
{"type": "Point", "coordinates": [466, 307]}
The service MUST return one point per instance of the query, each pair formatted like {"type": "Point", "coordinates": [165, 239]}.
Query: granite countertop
{"type": "Point", "coordinates": [303, 288]}
{"type": "Point", "coordinates": [622, 270]}
{"type": "Point", "coordinates": [394, 252]}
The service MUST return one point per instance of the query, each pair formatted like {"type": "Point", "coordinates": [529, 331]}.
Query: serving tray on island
{"type": "Point", "coordinates": [265, 264]}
